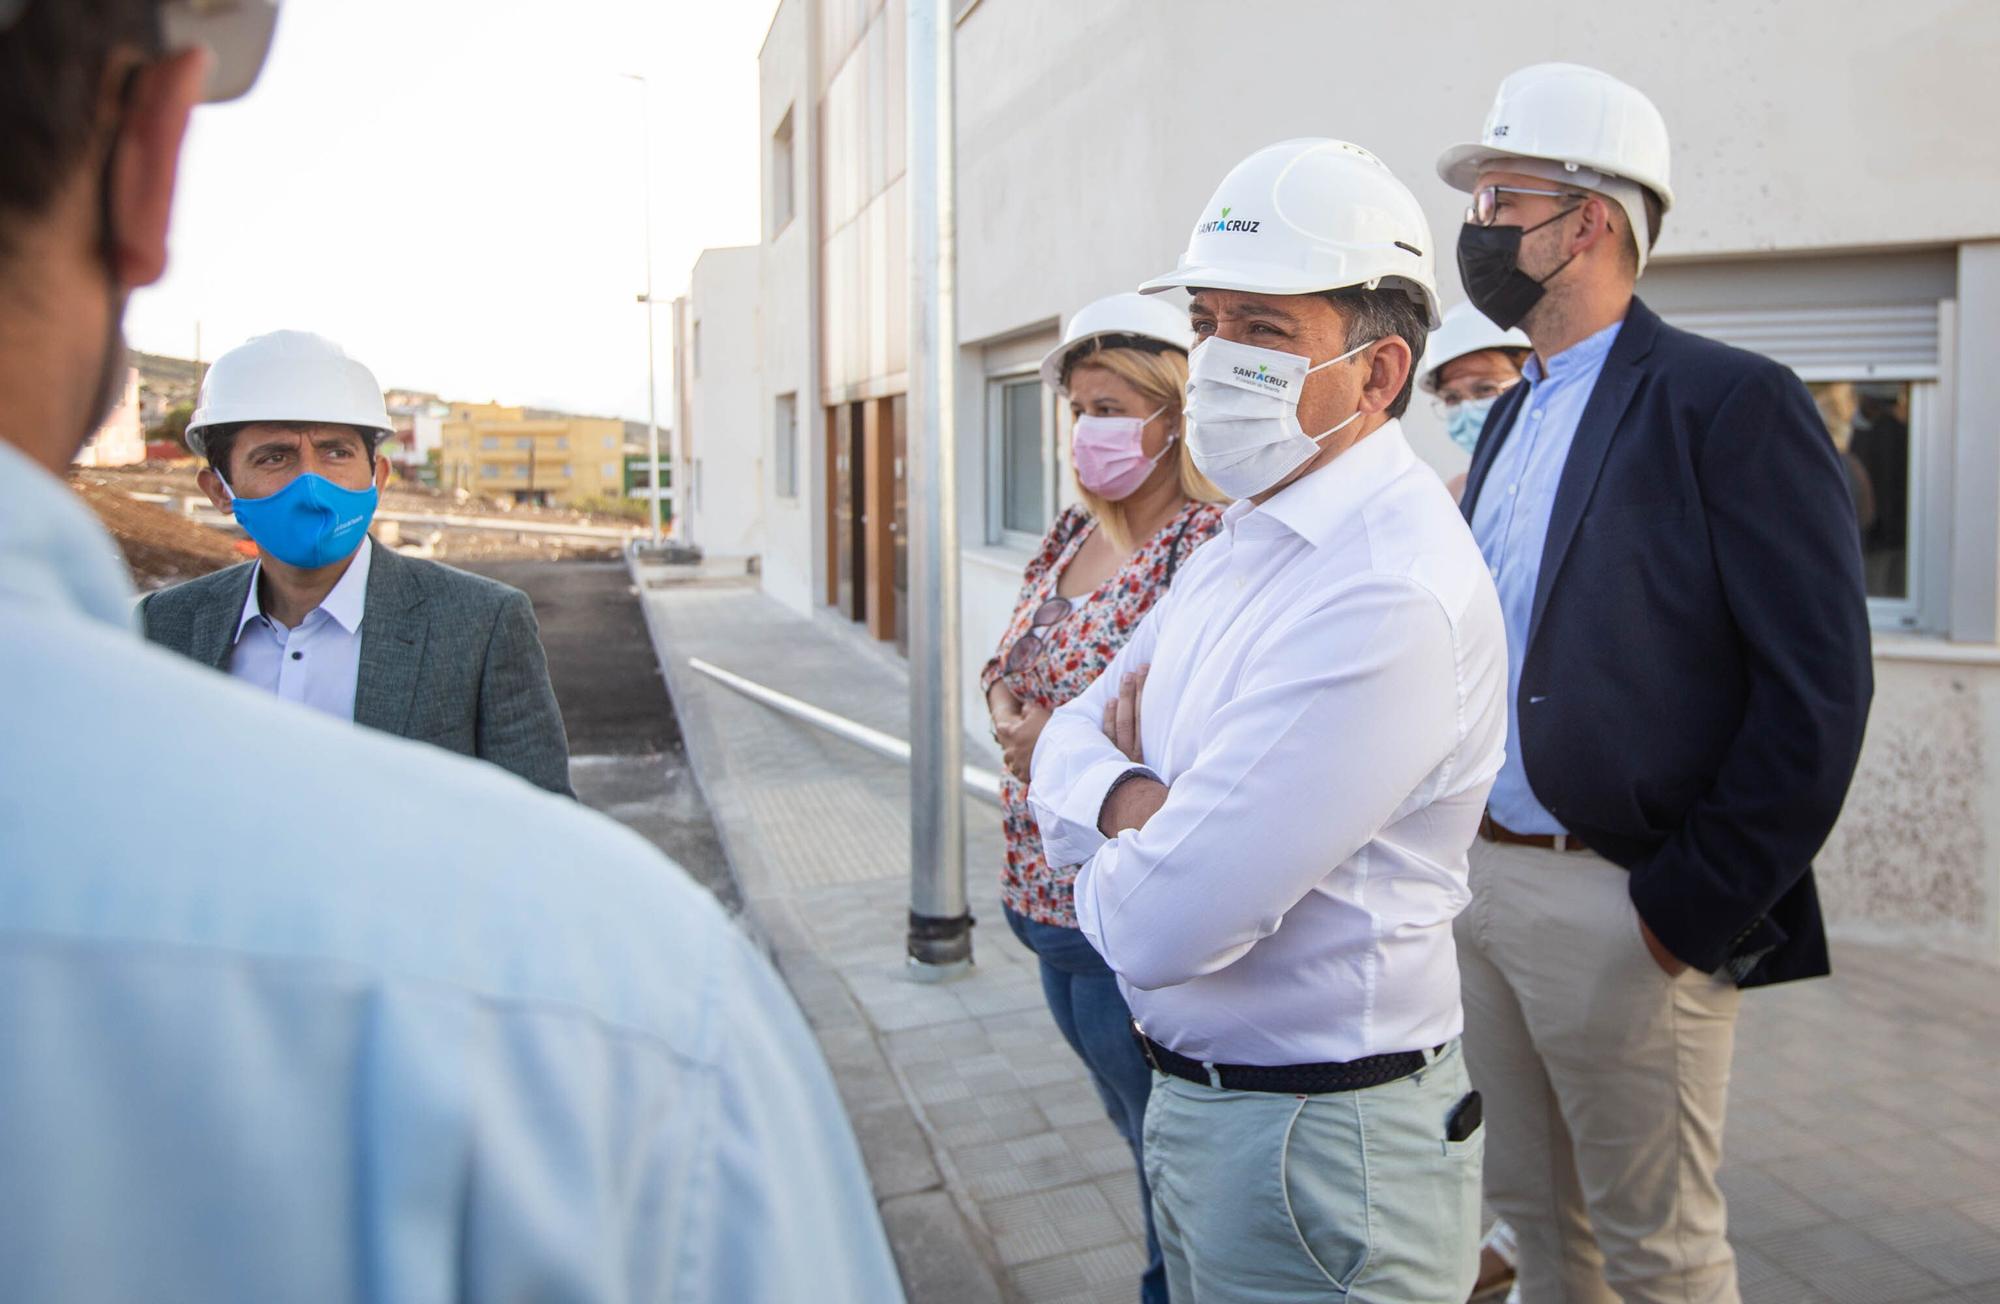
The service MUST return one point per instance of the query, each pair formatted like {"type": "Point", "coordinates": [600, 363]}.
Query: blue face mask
{"type": "Point", "coordinates": [1463, 423]}
{"type": "Point", "coordinates": [311, 522]}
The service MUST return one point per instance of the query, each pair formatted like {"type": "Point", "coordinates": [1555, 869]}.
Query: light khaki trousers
{"type": "Point", "coordinates": [1604, 1082]}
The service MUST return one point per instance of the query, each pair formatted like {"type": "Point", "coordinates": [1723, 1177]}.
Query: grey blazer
{"type": "Point", "coordinates": [447, 658]}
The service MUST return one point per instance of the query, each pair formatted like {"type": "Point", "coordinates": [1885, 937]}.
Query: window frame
{"type": "Point", "coordinates": [785, 445]}
{"type": "Point", "coordinates": [784, 174]}
{"type": "Point", "coordinates": [1922, 609]}
{"type": "Point", "coordinates": [997, 532]}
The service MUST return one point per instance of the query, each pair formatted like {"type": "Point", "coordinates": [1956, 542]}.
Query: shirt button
{"type": "Point", "coordinates": [1513, 488]}
{"type": "Point", "coordinates": [1535, 416]}
{"type": "Point", "coordinates": [298, 656]}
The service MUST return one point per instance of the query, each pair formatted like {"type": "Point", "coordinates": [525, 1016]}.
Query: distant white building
{"type": "Point", "coordinates": [1837, 207]}
{"type": "Point", "coordinates": [121, 440]}
{"type": "Point", "coordinates": [722, 439]}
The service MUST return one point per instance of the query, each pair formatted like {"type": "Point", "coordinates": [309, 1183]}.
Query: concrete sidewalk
{"type": "Point", "coordinates": [1863, 1168]}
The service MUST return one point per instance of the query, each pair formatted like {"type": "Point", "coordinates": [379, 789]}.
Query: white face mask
{"type": "Point", "coordinates": [1243, 414]}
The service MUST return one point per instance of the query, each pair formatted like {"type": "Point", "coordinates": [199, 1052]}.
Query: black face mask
{"type": "Point", "coordinates": [1489, 268]}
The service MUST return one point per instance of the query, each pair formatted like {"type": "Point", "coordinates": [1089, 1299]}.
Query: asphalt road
{"type": "Point", "coordinates": [626, 757]}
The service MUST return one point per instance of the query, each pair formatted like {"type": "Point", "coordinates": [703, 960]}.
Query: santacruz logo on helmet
{"type": "Point", "coordinates": [1226, 223]}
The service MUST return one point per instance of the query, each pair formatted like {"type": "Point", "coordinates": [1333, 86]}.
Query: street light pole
{"type": "Point", "coordinates": [652, 388]}
{"type": "Point", "coordinates": [940, 926]}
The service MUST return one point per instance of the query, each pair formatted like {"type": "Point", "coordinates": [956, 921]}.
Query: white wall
{"type": "Point", "coordinates": [794, 528]}
{"type": "Point", "coordinates": [727, 423]}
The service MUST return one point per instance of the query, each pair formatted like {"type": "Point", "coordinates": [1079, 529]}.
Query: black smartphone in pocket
{"type": "Point", "coordinates": [1465, 1118]}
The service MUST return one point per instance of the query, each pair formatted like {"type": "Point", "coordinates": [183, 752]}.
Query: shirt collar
{"type": "Point", "coordinates": [1315, 505]}
{"type": "Point", "coordinates": [53, 550]}
{"type": "Point", "coordinates": [344, 604]}
{"type": "Point", "coordinates": [1584, 356]}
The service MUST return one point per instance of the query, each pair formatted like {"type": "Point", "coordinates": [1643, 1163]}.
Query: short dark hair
{"type": "Point", "coordinates": [1378, 314]}
{"type": "Point", "coordinates": [217, 442]}
{"type": "Point", "coordinates": [53, 59]}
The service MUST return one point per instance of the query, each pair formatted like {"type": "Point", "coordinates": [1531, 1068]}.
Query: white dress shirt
{"type": "Point", "coordinates": [318, 662]}
{"type": "Point", "coordinates": [1327, 705]}
{"type": "Point", "coordinates": [383, 1024]}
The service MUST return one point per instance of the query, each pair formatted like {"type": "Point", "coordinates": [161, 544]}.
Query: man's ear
{"type": "Point", "coordinates": [1600, 218]}
{"type": "Point", "coordinates": [218, 492]}
{"type": "Point", "coordinates": [1388, 371]}
{"type": "Point", "coordinates": [145, 160]}
{"type": "Point", "coordinates": [383, 471]}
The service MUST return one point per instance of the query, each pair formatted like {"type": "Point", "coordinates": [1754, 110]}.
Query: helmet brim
{"type": "Point", "coordinates": [1459, 167]}
{"type": "Point", "coordinates": [1252, 278]}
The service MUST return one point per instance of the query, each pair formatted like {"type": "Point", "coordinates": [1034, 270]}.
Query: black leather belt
{"type": "Point", "coordinates": [1288, 1079]}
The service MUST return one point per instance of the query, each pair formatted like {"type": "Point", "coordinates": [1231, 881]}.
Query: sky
{"type": "Point", "coordinates": [454, 190]}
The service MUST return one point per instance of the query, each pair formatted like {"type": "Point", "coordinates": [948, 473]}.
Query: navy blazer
{"type": "Point", "coordinates": [1698, 672]}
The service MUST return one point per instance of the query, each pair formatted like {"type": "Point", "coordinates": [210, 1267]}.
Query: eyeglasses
{"type": "Point", "coordinates": [1486, 201]}
{"type": "Point", "coordinates": [1029, 646]}
{"type": "Point", "coordinates": [1483, 391]}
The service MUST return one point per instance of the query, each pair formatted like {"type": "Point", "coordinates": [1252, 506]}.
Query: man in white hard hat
{"type": "Point", "coordinates": [1671, 535]}
{"type": "Point", "coordinates": [289, 425]}
{"type": "Point", "coordinates": [1469, 364]}
{"type": "Point", "coordinates": [297, 1011]}
{"type": "Point", "coordinates": [1271, 789]}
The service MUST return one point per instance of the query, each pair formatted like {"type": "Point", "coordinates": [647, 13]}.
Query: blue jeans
{"type": "Point", "coordinates": [1083, 995]}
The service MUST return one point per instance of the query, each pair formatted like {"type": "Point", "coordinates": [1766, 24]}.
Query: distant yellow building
{"type": "Point", "coordinates": [503, 452]}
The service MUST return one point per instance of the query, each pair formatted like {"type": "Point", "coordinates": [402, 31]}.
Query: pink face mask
{"type": "Point", "coordinates": [1110, 454]}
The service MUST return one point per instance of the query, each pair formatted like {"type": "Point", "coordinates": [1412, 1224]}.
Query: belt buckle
{"type": "Point", "coordinates": [1146, 1047]}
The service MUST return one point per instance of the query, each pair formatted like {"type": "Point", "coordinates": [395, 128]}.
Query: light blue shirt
{"type": "Point", "coordinates": [1511, 521]}
{"type": "Point", "coordinates": [318, 663]}
{"type": "Point", "coordinates": [295, 1010]}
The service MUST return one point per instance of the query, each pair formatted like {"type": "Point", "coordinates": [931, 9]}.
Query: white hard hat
{"type": "Point", "coordinates": [1308, 215]}
{"type": "Point", "coordinates": [1465, 330]}
{"type": "Point", "coordinates": [237, 32]}
{"type": "Point", "coordinates": [1129, 315]}
{"type": "Point", "coordinates": [1571, 125]}
{"type": "Point", "coordinates": [287, 376]}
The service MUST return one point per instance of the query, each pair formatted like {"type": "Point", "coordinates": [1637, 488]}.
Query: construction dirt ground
{"type": "Point", "coordinates": [147, 509]}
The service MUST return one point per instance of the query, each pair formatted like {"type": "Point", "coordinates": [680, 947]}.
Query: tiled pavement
{"type": "Point", "coordinates": [1863, 1158]}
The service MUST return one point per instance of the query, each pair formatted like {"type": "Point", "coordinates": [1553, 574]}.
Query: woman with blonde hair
{"type": "Point", "coordinates": [1123, 367]}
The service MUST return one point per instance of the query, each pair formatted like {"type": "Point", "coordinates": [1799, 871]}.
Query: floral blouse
{"type": "Point", "coordinates": [1075, 651]}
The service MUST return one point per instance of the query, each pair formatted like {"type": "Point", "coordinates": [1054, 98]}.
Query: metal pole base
{"type": "Point", "coordinates": [940, 948]}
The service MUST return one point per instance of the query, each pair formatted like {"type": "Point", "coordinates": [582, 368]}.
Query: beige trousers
{"type": "Point", "coordinates": [1604, 1082]}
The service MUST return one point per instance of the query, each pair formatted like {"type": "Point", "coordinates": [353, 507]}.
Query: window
{"type": "Point", "coordinates": [1017, 468]}
{"type": "Point", "coordinates": [491, 441]}
{"type": "Point", "coordinates": [1873, 372]}
{"type": "Point", "coordinates": [785, 433]}
{"type": "Point", "coordinates": [568, 470]}
{"type": "Point", "coordinates": [562, 441]}
{"type": "Point", "coordinates": [609, 471]}
{"type": "Point", "coordinates": [781, 175]}
{"type": "Point", "coordinates": [611, 441]}
{"type": "Point", "coordinates": [524, 442]}
{"type": "Point", "coordinates": [489, 472]}
{"type": "Point", "coordinates": [1870, 422]}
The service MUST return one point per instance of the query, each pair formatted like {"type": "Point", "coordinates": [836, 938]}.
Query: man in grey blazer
{"type": "Point", "coordinates": [289, 425]}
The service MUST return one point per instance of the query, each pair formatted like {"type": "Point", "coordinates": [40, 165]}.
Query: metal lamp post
{"type": "Point", "coordinates": [940, 931]}
{"type": "Point", "coordinates": [652, 389]}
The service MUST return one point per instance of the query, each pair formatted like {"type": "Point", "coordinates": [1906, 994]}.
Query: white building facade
{"type": "Point", "coordinates": [121, 440]}
{"type": "Point", "coordinates": [1838, 207]}
{"type": "Point", "coordinates": [718, 430]}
